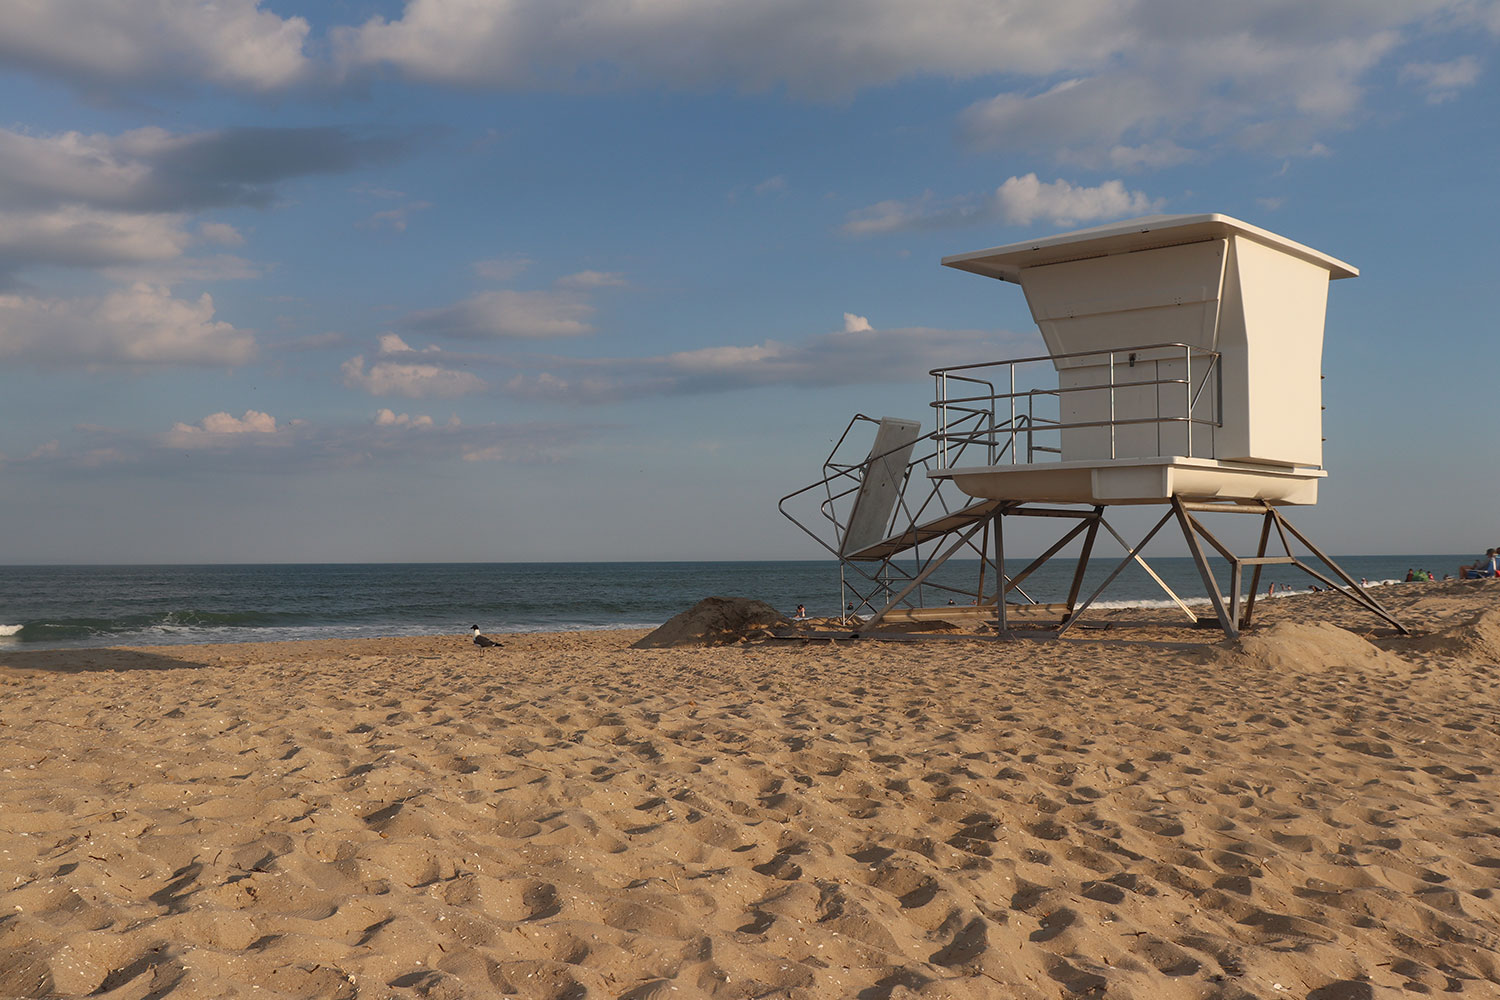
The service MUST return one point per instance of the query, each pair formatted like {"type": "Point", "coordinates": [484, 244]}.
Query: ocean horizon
{"type": "Point", "coordinates": [63, 606]}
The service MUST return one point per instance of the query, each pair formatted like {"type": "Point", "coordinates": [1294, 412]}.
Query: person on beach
{"type": "Point", "coordinates": [1486, 565]}
{"type": "Point", "coordinates": [801, 613]}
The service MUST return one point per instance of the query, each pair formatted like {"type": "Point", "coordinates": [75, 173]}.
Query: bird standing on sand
{"type": "Point", "coordinates": [480, 640]}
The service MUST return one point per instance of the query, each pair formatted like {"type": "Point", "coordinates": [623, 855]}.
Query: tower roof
{"type": "Point", "coordinates": [1150, 232]}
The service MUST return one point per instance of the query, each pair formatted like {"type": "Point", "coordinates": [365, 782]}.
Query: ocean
{"type": "Point", "coordinates": [50, 607]}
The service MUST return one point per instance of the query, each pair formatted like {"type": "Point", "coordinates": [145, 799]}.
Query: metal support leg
{"type": "Point", "coordinates": [1083, 558]}
{"type": "Point", "coordinates": [1363, 599]}
{"type": "Point", "coordinates": [984, 558]}
{"type": "Point", "coordinates": [921, 577]}
{"type": "Point", "coordinates": [1260, 553]}
{"type": "Point", "coordinates": [1141, 562]}
{"type": "Point", "coordinates": [1204, 570]}
{"type": "Point", "coordinates": [1235, 580]}
{"type": "Point", "coordinates": [1129, 557]}
{"type": "Point", "coordinates": [1000, 581]}
{"type": "Point", "coordinates": [1039, 561]}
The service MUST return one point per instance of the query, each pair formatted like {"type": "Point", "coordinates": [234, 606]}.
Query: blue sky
{"type": "Point", "coordinates": [603, 279]}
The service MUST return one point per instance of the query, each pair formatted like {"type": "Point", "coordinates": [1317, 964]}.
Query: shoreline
{"type": "Point", "coordinates": [1163, 613]}
{"type": "Point", "coordinates": [1171, 816]}
{"type": "Point", "coordinates": [84, 608]}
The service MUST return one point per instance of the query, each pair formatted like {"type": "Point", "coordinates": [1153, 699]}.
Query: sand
{"type": "Point", "coordinates": [1137, 812]}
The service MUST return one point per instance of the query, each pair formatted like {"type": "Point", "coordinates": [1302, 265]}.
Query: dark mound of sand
{"type": "Point", "coordinates": [714, 621]}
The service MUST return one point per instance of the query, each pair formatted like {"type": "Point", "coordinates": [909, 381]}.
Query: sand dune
{"type": "Point", "coordinates": [1308, 813]}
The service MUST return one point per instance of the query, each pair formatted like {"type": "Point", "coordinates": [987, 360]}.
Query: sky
{"type": "Point", "coordinates": [500, 280]}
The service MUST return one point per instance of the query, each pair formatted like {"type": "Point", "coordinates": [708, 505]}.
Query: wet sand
{"type": "Point", "coordinates": [1134, 812]}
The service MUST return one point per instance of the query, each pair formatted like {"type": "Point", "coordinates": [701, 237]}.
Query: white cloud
{"type": "Point", "coordinates": [313, 342]}
{"type": "Point", "coordinates": [139, 325]}
{"type": "Point", "coordinates": [389, 418]}
{"type": "Point", "coordinates": [499, 269]}
{"type": "Point", "coordinates": [831, 48]}
{"type": "Point", "coordinates": [539, 386]}
{"type": "Point", "coordinates": [1133, 83]}
{"type": "Point", "coordinates": [593, 279]}
{"type": "Point", "coordinates": [123, 201]}
{"type": "Point", "coordinates": [258, 444]}
{"type": "Point", "coordinates": [374, 191]}
{"type": "Point", "coordinates": [1017, 201]}
{"type": "Point", "coordinates": [154, 170]}
{"type": "Point", "coordinates": [100, 43]}
{"type": "Point", "coordinates": [1210, 77]}
{"type": "Point", "coordinates": [73, 168]}
{"type": "Point", "coordinates": [1442, 81]}
{"type": "Point", "coordinates": [493, 453]}
{"type": "Point", "coordinates": [74, 235]}
{"type": "Point", "coordinates": [506, 313]}
{"type": "Point", "coordinates": [1149, 156]}
{"type": "Point", "coordinates": [719, 359]}
{"type": "Point", "coordinates": [395, 219]}
{"type": "Point", "coordinates": [253, 422]}
{"type": "Point", "coordinates": [1138, 73]}
{"type": "Point", "coordinates": [213, 429]}
{"type": "Point", "coordinates": [130, 247]}
{"type": "Point", "coordinates": [1022, 200]}
{"type": "Point", "coordinates": [414, 381]}
{"type": "Point", "coordinates": [217, 267]}
{"type": "Point", "coordinates": [1096, 114]}
{"type": "Point", "coordinates": [563, 311]}
{"type": "Point", "coordinates": [390, 343]}
{"type": "Point", "coordinates": [923, 212]}
{"type": "Point", "coordinates": [221, 233]}
{"type": "Point", "coordinates": [856, 355]}
{"type": "Point", "coordinates": [771, 185]}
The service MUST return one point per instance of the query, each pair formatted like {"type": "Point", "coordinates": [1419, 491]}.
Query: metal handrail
{"type": "Point", "coordinates": [920, 499]}
{"type": "Point", "coordinates": [949, 369]}
{"type": "Point", "coordinates": [956, 410]}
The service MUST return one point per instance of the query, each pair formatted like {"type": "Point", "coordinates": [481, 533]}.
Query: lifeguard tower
{"type": "Point", "coordinates": [1183, 371]}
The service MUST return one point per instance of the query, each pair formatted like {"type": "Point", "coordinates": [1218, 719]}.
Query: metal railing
{"type": "Point", "coordinates": [822, 510]}
{"type": "Point", "coordinates": [1008, 422]}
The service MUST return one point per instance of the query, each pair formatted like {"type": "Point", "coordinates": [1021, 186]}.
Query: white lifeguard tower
{"type": "Point", "coordinates": [1183, 369]}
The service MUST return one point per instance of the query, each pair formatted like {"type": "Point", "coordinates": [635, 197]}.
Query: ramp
{"type": "Point", "coordinates": [880, 488]}
{"type": "Point", "coordinates": [890, 524]}
{"type": "Point", "coordinates": [927, 531]}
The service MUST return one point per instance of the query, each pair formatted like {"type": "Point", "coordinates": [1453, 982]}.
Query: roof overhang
{"type": "Point", "coordinates": [1007, 262]}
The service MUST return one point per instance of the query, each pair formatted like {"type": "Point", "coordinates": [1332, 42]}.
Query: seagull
{"type": "Point", "coordinates": [480, 640]}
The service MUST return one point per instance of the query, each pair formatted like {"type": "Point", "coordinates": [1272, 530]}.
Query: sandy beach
{"type": "Point", "coordinates": [1131, 812]}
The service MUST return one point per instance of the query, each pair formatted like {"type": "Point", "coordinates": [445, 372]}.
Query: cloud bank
{"type": "Point", "coordinates": [858, 354]}
{"type": "Point", "coordinates": [124, 205]}
{"type": "Point", "coordinates": [260, 443]}
{"type": "Point", "coordinates": [154, 170]}
{"type": "Point", "coordinates": [1131, 83]}
{"type": "Point", "coordinates": [143, 325]}
{"type": "Point", "coordinates": [1128, 83]}
{"type": "Point", "coordinates": [98, 44]}
{"type": "Point", "coordinates": [1018, 201]}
